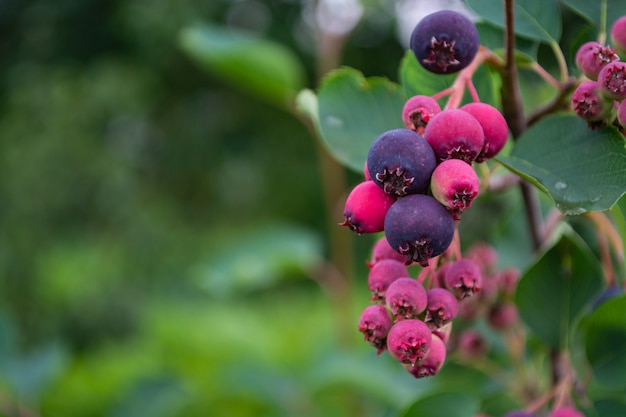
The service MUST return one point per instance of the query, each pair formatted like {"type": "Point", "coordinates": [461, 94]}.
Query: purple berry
{"type": "Point", "coordinates": [406, 298]}
{"type": "Point", "coordinates": [495, 128]}
{"type": "Point", "coordinates": [432, 362]}
{"type": "Point", "coordinates": [618, 35]}
{"type": "Point", "coordinates": [455, 134]}
{"type": "Point", "coordinates": [445, 42]}
{"type": "Point", "coordinates": [589, 104]}
{"type": "Point", "coordinates": [591, 57]}
{"type": "Point", "coordinates": [454, 184]}
{"type": "Point", "coordinates": [366, 207]}
{"type": "Point", "coordinates": [417, 112]}
{"type": "Point", "coordinates": [442, 307]}
{"type": "Point", "coordinates": [566, 412]}
{"type": "Point", "coordinates": [382, 274]}
{"type": "Point", "coordinates": [418, 227]}
{"type": "Point", "coordinates": [464, 278]}
{"type": "Point", "coordinates": [400, 161]}
{"type": "Point", "coordinates": [375, 323]}
{"type": "Point", "coordinates": [612, 80]}
{"type": "Point", "coordinates": [409, 340]}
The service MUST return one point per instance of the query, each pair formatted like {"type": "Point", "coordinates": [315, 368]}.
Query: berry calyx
{"type": "Point", "coordinates": [366, 207]}
{"type": "Point", "coordinates": [417, 112]}
{"type": "Point", "coordinates": [432, 362]}
{"type": "Point", "coordinates": [408, 341]}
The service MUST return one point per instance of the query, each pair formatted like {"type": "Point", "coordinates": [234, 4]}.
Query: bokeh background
{"type": "Point", "coordinates": [168, 242]}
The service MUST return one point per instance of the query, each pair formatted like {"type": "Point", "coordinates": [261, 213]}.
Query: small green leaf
{"type": "Point", "coordinates": [553, 292]}
{"type": "Point", "coordinates": [444, 404]}
{"type": "Point", "coordinates": [581, 169]}
{"type": "Point", "coordinates": [534, 19]}
{"type": "Point", "coordinates": [354, 111]}
{"type": "Point", "coordinates": [258, 66]}
{"type": "Point", "coordinates": [592, 10]}
{"type": "Point", "coordinates": [606, 342]}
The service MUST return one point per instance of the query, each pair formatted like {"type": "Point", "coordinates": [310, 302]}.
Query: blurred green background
{"type": "Point", "coordinates": [168, 243]}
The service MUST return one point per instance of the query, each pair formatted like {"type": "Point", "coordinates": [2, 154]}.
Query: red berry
{"type": "Point", "coordinates": [366, 207]}
{"type": "Point", "coordinates": [375, 323]}
{"type": "Point", "coordinates": [494, 126]}
{"type": "Point", "coordinates": [455, 185]}
{"type": "Point", "coordinates": [382, 274]}
{"type": "Point", "coordinates": [455, 134]}
{"type": "Point", "coordinates": [432, 362]}
{"type": "Point", "coordinates": [612, 80]}
{"type": "Point", "coordinates": [406, 298]}
{"type": "Point", "coordinates": [464, 278]}
{"type": "Point", "coordinates": [409, 340]}
{"type": "Point", "coordinates": [442, 307]}
{"type": "Point", "coordinates": [417, 112]}
{"type": "Point", "coordinates": [589, 104]}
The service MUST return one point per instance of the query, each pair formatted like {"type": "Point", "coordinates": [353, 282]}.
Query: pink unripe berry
{"type": "Point", "coordinates": [382, 274]}
{"type": "Point", "coordinates": [432, 362]}
{"type": "Point", "coordinates": [472, 344]}
{"type": "Point", "coordinates": [484, 255]}
{"type": "Point", "coordinates": [442, 307]}
{"type": "Point", "coordinates": [375, 323]}
{"type": "Point", "coordinates": [591, 57]}
{"type": "Point", "coordinates": [383, 250]}
{"type": "Point", "coordinates": [589, 104]}
{"type": "Point", "coordinates": [366, 207]}
{"type": "Point", "coordinates": [408, 341]}
{"type": "Point", "coordinates": [612, 80]}
{"type": "Point", "coordinates": [566, 412]}
{"type": "Point", "coordinates": [455, 185]}
{"type": "Point", "coordinates": [618, 35]}
{"type": "Point", "coordinates": [406, 298]}
{"type": "Point", "coordinates": [417, 112]}
{"type": "Point", "coordinates": [455, 134]}
{"type": "Point", "coordinates": [502, 315]}
{"type": "Point", "coordinates": [507, 280]}
{"type": "Point", "coordinates": [494, 126]}
{"type": "Point", "coordinates": [464, 278]}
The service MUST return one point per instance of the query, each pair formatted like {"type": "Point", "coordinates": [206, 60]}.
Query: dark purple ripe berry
{"type": "Point", "coordinates": [495, 129]}
{"type": "Point", "coordinates": [464, 278]}
{"type": "Point", "coordinates": [445, 42]}
{"type": "Point", "coordinates": [432, 362]}
{"type": "Point", "coordinates": [375, 323]}
{"type": "Point", "coordinates": [366, 207]}
{"type": "Point", "coordinates": [589, 104]}
{"type": "Point", "coordinates": [455, 134]}
{"type": "Point", "coordinates": [381, 276]}
{"type": "Point", "coordinates": [400, 161]}
{"type": "Point", "coordinates": [612, 80]}
{"type": "Point", "coordinates": [406, 298]}
{"type": "Point", "coordinates": [442, 307]}
{"type": "Point", "coordinates": [417, 112]}
{"type": "Point", "coordinates": [418, 227]}
{"type": "Point", "coordinates": [409, 340]}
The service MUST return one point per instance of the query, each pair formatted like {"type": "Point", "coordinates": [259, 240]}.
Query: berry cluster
{"type": "Point", "coordinates": [599, 99]}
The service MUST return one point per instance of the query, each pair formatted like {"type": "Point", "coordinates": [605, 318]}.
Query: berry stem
{"type": "Point", "coordinates": [464, 79]}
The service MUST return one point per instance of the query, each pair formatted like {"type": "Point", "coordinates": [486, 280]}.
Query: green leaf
{"type": "Point", "coordinates": [610, 407]}
{"type": "Point", "coordinates": [606, 342]}
{"type": "Point", "coordinates": [444, 404]}
{"type": "Point", "coordinates": [592, 10]}
{"type": "Point", "coordinates": [534, 19]}
{"type": "Point", "coordinates": [552, 293]}
{"type": "Point", "coordinates": [354, 111]}
{"type": "Point", "coordinates": [581, 169]}
{"type": "Point", "coordinates": [263, 68]}
{"type": "Point", "coordinates": [619, 214]}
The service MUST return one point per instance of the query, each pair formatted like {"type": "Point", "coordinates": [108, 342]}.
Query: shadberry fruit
{"type": "Point", "coordinates": [409, 340]}
{"type": "Point", "coordinates": [612, 80]}
{"type": "Point", "coordinates": [455, 134]}
{"type": "Point", "coordinates": [454, 184]}
{"type": "Point", "coordinates": [441, 308]}
{"type": "Point", "coordinates": [366, 207]}
{"type": "Point", "coordinates": [418, 227]}
{"type": "Point", "coordinates": [589, 104]}
{"type": "Point", "coordinates": [417, 112]}
{"type": "Point", "coordinates": [472, 344]}
{"type": "Point", "coordinates": [432, 362]}
{"type": "Point", "coordinates": [445, 42]}
{"type": "Point", "coordinates": [382, 274]}
{"type": "Point", "coordinates": [375, 323]}
{"type": "Point", "coordinates": [618, 35]}
{"type": "Point", "coordinates": [566, 412]}
{"type": "Point", "coordinates": [495, 129]}
{"type": "Point", "coordinates": [592, 56]}
{"type": "Point", "coordinates": [464, 278]}
{"type": "Point", "coordinates": [400, 161]}
{"type": "Point", "coordinates": [382, 250]}
{"type": "Point", "coordinates": [502, 315]}
{"type": "Point", "coordinates": [484, 255]}
{"type": "Point", "coordinates": [406, 298]}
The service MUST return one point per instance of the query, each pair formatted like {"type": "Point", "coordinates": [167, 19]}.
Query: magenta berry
{"type": "Point", "coordinates": [495, 129]}
{"type": "Point", "coordinates": [566, 412]}
{"type": "Point", "coordinates": [472, 344]}
{"type": "Point", "coordinates": [382, 274]}
{"type": "Point", "coordinates": [507, 279]}
{"type": "Point", "coordinates": [612, 80]}
{"type": "Point", "coordinates": [445, 42]}
{"type": "Point", "coordinates": [375, 323]}
{"type": "Point", "coordinates": [409, 340]}
{"type": "Point", "coordinates": [484, 255]}
{"type": "Point", "coordinates": [502, 315]}
{"type": "Point", "coordinates": [419, 228]}
{"type": "Point", "coordinates": [406, 298]}
{"type": "Point", "coordinates": [454, 184]}
{"type": "Point", "coordinates": [519, 413]}
{"type": "Point", "coordinates": [591, 57]}
{"type": "Point", "coordinates": [618, 35]}
{"type": "Point", "coordinates": [366, 207]}
{"type": "Point", "coordinates": [417, 112]}
{"type": "Point", "coordinates": [442, 307]}
{"type": "Point", "coordinates": [589, 104]}
{"type": "Point", "coordinates": [432, 362]}
{"type": "Point", "coordinates": [455, 134]}
{"type": "Point", "coordinates": [382, 250]}
{"type": "Point", "coordinates": [401, 162]}
{"type": "Point", "coordinates": [464, 278]}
